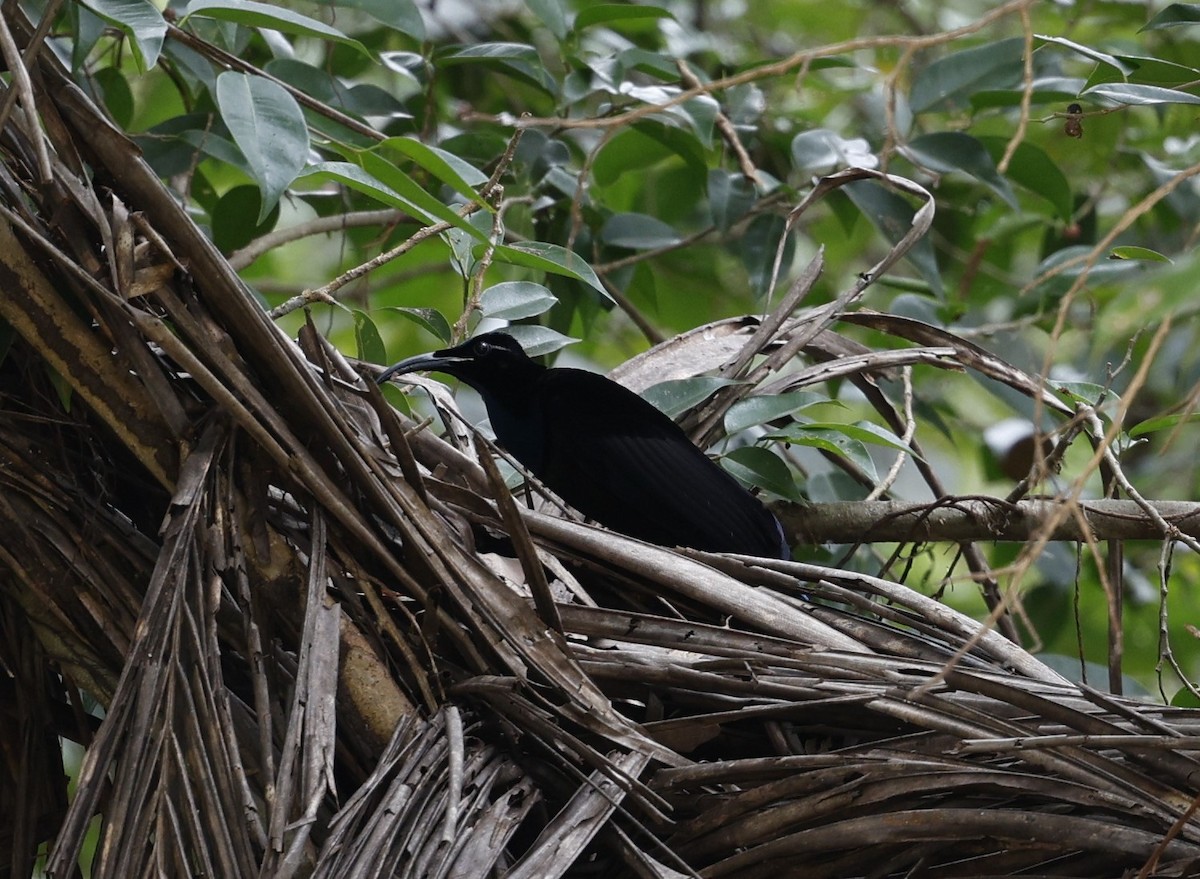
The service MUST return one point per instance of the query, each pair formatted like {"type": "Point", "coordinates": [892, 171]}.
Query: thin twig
{"type": "Point", "coordinates": [24, 87]}
{"type": "Point", "coordinates": [727, 129]}
{"type": "Point", "coordinates": [910, 428]}
{"type": "Point", "coordinates": [8, 101]}
{"type": "Point", "coordinates": [653, 334]}
{"type": "Point", "coordinates": [242, 258]}
{"type": "Point", "coordinates": [325, 292]}
{"type": "Point", "coordinates": [1026, 95]}
{"type": "Point", "coordinates": [459, 331]}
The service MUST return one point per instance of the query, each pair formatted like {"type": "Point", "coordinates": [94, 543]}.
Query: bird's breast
{"type": "Point", "coordinates": [521, 434]}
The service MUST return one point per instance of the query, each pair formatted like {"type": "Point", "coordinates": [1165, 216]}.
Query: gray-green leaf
{"type": "Point", "coordinates": [251, 13]}
{"type": "Point", "coordinates": [537, 340]}
{"type": "Point", "coordinates": [140, 20]}
{"type": "Point", "coordinates": [753, 411]}
{"type": "Point", "coordinates": [638, 232]}
{"type": "Point", "coordinates": [761, 467]}
{"type": "Point", "coordinates": [678, 395]}
{"type": "Point", "coordinates": [512, 300]}
{"type": "Point", "coordinates": [268, 127]}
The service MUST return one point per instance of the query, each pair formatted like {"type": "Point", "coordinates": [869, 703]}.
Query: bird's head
{"type": "Point", "coordinates": [487, 362]}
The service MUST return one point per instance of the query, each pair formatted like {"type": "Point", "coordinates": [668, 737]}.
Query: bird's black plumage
{"type": "Point", "coordinates": [606, 451]}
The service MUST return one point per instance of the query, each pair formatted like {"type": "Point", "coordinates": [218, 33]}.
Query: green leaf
{"type": "Point", "coordinates": [819, 151]}
{"type": "Point", "coordinates": [1074, 262]}
{"type": "Point", "coordinates": [62, 388]}
{"type": "Point", "coordinates": [220, 148]}
{"type": "Point", "coordinates": [551, 14]}
{"type": "Point", "coordinates": [86, 29]}
{"type": "Point", "coordinates": [638, 232]}
{"type": "Point", "coordinates": [367, 339]}
{"type": "Point", "coordinates": [366, 99]}
{"type": "Point", "coordinates": [427, 205]}
{"type": "Point", "coordinates": [462, 244]}
{"type": "Point", "coordinates": [399, 15]}
{"type": "Point", "coordinates": [1033, 169]}
{"type": "Point", "coordinates": [1183, 200]}
{"type": "Point", "coordinates": [753, 411]}
{"type": "Point", "coordinates": [701, 113]}
{"type": "Point", "coordinates": [140, 21]}
{"type": "Point", "coordinates": [947, 151]}
{"type": "Point", "coordinates": [411, 67]}
{"type": "Point", "coordinates": [647, 144]}
{"type": "Point", "coordinates": [1130, 251]}
{"type": "Point", "coordinates": [397, 398]}
{"type": "Point", "coordinates": [1088, 52]}
{"type": "Point", "coordinates": [832, 439]}
{"type": "Point", "coordinates": [491, 52]}
{"type": "Point", "coordinates": [359, 180]}
{"type": "Point", "coordinates": [1087, 393]}
{"type": "Point", "coordinates": [538, 340]}
{"type": "Point", "coordinates": [758, 249]}
{"type": "Point", "coordinates": [730, 197]}
{"type": "Point", "coordinates": [698, 113]}
{"type": "Point", "coordinates": [173, 147]}
{"type": "Point", "coordinates": [459, 175]}
{"type": "Point", "coordinates": [756, 466]}
{"type": "Point", "coordinates": [519, 59]}
{"type": "Point", "coordinates": [1175, 15]}
{"type": "Point", "coordinates": [682, 143]}
{"type": "Point", "coordinates": [1159, 72]}
{"type": "Point", "coordinates": [513, 300]}
{"type": "Point", "coordinates": [745, 104]}
{"type": "Point", "coordinates": [313, 81]}
{"type": "Point", "coordinates": [951, 80]}
{"type": "Point", "coordinates": [429, 319]}
{"type": "Point", "coordinates": [1183, 698]}
{"type": "Point", "coordinates": [1046, 90]}
{"type": "Point", "coordinates": [676, 396]}
{"type": "Point", "coordinates": [233, 218]}
{"type": "Point", "coordinates": [118, 97]}
{"type": "Point", "coordinates": [1165, 422]}
{"type": "Point", "coordinates": [864, 432]}
{"type": "Point", "coordinates": [550, 258]}
{"type": "Point", "coordinates": [604, 13]}
{"type": "Point", "coordinates": [816, 150]}
{"type": "Point", "coordinates": [268, 127]}
{"type": "Point", "coordinates": [656, 64]}
{"type": "Point", "coordinates": [1141, 95]}
{"type": "Point", "coordinates": [250, 13]}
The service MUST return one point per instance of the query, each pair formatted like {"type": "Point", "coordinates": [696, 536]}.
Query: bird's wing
{"type": "Point", "coordinates": [620, 461]}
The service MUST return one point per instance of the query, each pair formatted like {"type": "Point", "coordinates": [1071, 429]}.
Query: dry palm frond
{"type": "Point", "coordinates": [270, 583]}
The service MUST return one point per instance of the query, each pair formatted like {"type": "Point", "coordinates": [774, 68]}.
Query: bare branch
{"type": "Point", "coordinates": [988, 519]}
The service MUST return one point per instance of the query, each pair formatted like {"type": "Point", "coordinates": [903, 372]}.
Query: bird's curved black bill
{"type": "Point", "coordinates": [438, 360]}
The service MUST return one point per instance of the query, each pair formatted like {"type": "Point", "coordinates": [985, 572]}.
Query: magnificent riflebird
{"type": "Point", "coordinates": [606, 451]}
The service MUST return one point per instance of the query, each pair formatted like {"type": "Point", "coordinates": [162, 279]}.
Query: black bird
{"type": "Point", "coordinates": [606, 451]}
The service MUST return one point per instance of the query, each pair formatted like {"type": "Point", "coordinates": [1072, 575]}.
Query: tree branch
{"type": "Point", "coordinates": [977, 518]}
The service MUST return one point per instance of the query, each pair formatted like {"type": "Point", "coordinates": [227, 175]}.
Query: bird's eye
{"type": "Point", "coordinates": [483, 347]}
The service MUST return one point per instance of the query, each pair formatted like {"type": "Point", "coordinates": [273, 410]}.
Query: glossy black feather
{"type": "Point", "coordinates": [606, 451]}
